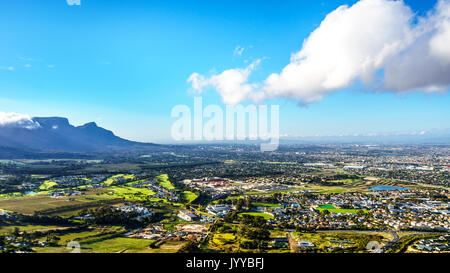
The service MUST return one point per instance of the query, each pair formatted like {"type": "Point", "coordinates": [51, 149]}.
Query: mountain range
{"type": "Point", "coordinates": [56, 134]}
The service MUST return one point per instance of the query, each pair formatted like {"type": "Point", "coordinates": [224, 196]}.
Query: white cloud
{"type": "Point", "coordinates": [50, 66]}
{"type": "Point", "coordinates": [357, 43]}
{"type": "Point", "coordinates": [27, 65]}
{"type": "Point", "coordinates": [238, 50]}
{"type": "Point", "coordinates": [231, 84]}
{"type": "Point", "coordinates": [425, 65]}
{"type": "Point", "coordinates": [73, 2]}
{"type": "Point", "coordinates": [17, 120]}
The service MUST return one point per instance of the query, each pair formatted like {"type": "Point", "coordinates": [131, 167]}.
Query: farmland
{"type": "Point", "coordinates": [39, 202]}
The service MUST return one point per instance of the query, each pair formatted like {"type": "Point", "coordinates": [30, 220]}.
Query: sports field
{"type": "Point", "coordinates": [261, 214]}
{"type": "Point", "coordinates": [332, 209]}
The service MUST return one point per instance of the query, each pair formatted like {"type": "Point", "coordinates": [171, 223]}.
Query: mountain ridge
{"type": "Point", "coordinates": [56, 134]}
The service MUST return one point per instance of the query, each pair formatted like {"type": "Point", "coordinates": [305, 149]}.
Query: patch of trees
{"type": "Point", "coordinates": [189, 247]}
{"type": "Point", "coordinates": [253, 230]}
{"type": "Point", "coordinates": [44, 219]}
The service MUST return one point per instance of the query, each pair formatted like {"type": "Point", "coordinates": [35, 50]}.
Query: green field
{"type": "Point", "coordinates": [41, 201]}
{"type": "Point", "coordinates": [100, 240]}
{"type": "Point", "coordinates": [224, 238]}
{"type": "Point", "coordinates": [114, 178]}
{"type": "Point", "coordinates": [129, 193]}
{"type": "Point", "coordinates": [47, 185]}
{"type": "Point", "coordinates": [115, 245]}
{"type": "Point", "coordinates": [261, 214]}
{"type": "Point", "coordinates": [28, 228]}
{"type": "Point", "coordinates": [189, 196]}
{"type": "Point", "coordinates": [163, 181]}
{"type": "Point", "coordinates": [332, 209]}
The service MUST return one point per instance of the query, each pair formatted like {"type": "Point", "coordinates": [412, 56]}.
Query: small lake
{"type": "Point", "coordinates": [388, 188]}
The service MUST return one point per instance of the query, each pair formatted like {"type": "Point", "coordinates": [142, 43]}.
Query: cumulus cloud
{"type": "Point", "coordinates": [17, 120]}
{"type": "Point", "coordinates": [363, 42]}
{"type": "Point", "coordinates": [231, 84]}
{"type": "Point", "coordinates": [425, 65]}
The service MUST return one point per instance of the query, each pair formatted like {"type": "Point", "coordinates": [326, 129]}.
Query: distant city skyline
{"type": "Point", "coordinates": [125, 66]}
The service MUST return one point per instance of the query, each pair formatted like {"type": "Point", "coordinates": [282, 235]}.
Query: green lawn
{"type": "Point", "coordinates": [261, 214]}
{"type": "Point", "coordinates": [332, 209]}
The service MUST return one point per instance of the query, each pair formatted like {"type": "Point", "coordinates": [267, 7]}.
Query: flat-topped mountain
{"type": "Point", "coordinates": [57, 134]}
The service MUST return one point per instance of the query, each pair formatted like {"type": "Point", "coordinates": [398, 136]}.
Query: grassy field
{"type": "Point", "coordinates": [28, 228]}
{"type": "Point", "coordinates": [332, 209]}
{"type": "Point", "coordinates": [48, 184]}
{"type": "Point", "coordinates": [114, 178]}
{"type": "Point", "coordinates": [98, 240]}
{"type": "Point", "coordinates": [118, 244]}
{"type": "Point", "coordinates": [129, 193]}
{"type": "Point", "coordinates": [163, 181]}
{"type": "Point", "coordinates": [224, 238]}
{"type": "Point", "coordinates": [32, 203]}
{"type": "Point", "coordinates": [261, 214]}
{"type": "Point", "coordinates": [189, 196]}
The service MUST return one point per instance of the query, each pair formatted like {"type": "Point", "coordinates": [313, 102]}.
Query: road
{"type": "Point", "coordinates": [293, 245]}
{"type": "Point", "coordinates": [388, 245]}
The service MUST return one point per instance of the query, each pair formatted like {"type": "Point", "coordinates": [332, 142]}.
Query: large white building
{"type": "Point", "coordinates": [218, 210]}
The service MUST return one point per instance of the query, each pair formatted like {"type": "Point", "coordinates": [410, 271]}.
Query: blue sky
{"type": "Point", "coordinates": [125, 64]}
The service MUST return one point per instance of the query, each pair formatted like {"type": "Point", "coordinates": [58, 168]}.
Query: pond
{"type": "Point", "coordinates": [388, 188]}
